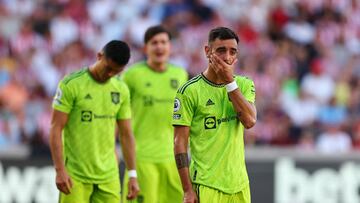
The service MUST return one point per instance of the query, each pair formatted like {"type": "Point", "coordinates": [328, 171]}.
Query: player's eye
{"type": "Point", "coordinates": [221, 51]}
{"type": "Point", "coordinates": [233, 52]}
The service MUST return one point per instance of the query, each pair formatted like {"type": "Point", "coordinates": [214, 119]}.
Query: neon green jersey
{"type": "Point", "coordinates": [152, 99]}
{"type": "Point", "coordinates": [216, 135]}
{"type": "Point", "coordinates": [89, 135]}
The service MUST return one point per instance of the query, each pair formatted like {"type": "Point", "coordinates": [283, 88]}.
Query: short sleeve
{"type": "Point", "coordinates": [63, 99]}
{"type": "Point", "coordinates": [183, 110]}
{"type": "Point", "coordinates": [125, 108]}
{"type": "Point", "coordinates": [247, 87]}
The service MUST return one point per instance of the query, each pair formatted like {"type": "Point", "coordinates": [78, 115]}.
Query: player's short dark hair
{"type": "Point", "coordinates": [154, 30]}
{"type": "Point", "coordinates": [222, 33]}
{"type": "Point", "coordinates": [118, 51]}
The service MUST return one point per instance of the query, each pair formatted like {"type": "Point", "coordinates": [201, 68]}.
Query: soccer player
{"type": "Point", "coordinates": [87, 106]}
{"type": "Point", "coordinates": [212, 109]}
{"type": "Point", "coordinates": [153, 84]}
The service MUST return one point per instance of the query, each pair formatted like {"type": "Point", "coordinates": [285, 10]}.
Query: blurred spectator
{"type": "Point", "coordinates": [47, 73]}
{"type": "Point", "coordinates": [354, 101]}
{"type": "Point", "coordinates": [299, 29]}
{"type": "Point", "coordinates": [100, 10]}
{"type": "Point", "coordinates": [317, 83]}
{"type": "Point", "coordinates": [302, 109]}
{"type": "Point", "coordinates": [268, 129]}
{"type": "Point", "coordinates": [342, 92]}
{"type": "Point", "coordinates": [138, 27]}
{"type": "Point", "coordinates": [277, 20]}
{"type": "Point", "coordinates": [25, 39]}
{"type": "Point", "coordinates": [333, 140]}
{"type": "Point", "coordinates": [13, 97]}
{"type": "Point", "coordinates": [204, 12]}
{"type": "Point", "coordinates": [282, 137]}
{"type": "Point", "coordinates": [356, 136]}
{"type": "Point", "coordinates": [247, 33]}
{"type": "Point", "coordinates": [64, 29]}
{"type": "Point", "coordinates": [332, 114]}
{"type": "Point", "coordinates": [306, 141]}
{"type": "Point", "coordinates": [257, 14]}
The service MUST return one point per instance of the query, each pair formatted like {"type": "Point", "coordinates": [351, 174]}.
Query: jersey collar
{"type": "Point", "coordinates": [211, 83]}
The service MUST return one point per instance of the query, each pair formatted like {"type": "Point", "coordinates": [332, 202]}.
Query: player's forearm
{"type": "Point", "coordinates": [127, 141]}
{"type": "Point", "coordinates": [181, 156]}
{"type": "Point", "coordinates": [58, 122]}
{"type": "Point", "coordinates": [182, 164]}
{"type": "Point", "coordinates": [185, 179]}
{"type": "Point", "coordinates": [56, 149]}
{"type": "Point", "coordinates": [246, 112]}
{"type": "Point", "coordinates": [128, 150]}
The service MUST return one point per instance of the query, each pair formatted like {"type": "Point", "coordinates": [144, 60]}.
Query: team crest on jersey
{"type": "Point", "coordinates": [174, 83]}
{"type": "Point", "coordinates": [115, 97]}
{"type": "Point", "coordinates": [176, 105]}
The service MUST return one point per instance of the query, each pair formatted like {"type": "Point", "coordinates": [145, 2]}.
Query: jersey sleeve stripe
{"type": "Point", "coordinates": [193, 80]}
{"type": "Point", "coordinates": [74, 75]}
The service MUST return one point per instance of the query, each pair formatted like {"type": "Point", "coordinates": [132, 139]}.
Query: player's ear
{"type": "Point", "coordinates": [99, 55]}
{"type": "Point", "coordinates": [207, 51]}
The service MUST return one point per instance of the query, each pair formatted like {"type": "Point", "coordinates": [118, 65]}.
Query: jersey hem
{"type": "Point", "coordinates": [155, 161]}
{"type": "Point", "coordinates": [92, 181]}
{"type": "Point", "coordinates": [124, 118]}
{"type": "Point", "coordinates": [234, 191]}
{"type": "Point", "coordinates": [181, 124]}
{"type": "Point", "coordinates": [61, 109]}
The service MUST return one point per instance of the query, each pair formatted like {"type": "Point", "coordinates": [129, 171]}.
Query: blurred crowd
{"type": "Point", "coordinates": [303, 55]}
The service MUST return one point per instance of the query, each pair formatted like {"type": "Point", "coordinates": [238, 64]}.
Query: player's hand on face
{"type": "Point", "coordinates": [133, 188]}
{"type": "Point", "coordinates": [190, 197]}
{"type": "Point", "coordinates": [63, 181]}
{"type": "Point", "coordinates": [224, 70]}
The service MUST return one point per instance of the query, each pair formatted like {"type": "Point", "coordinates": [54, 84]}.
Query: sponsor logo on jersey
{"type": "Point", "coordinates": [86, 116]}
{"type": "Point", "coordinates": [176, 105]}
{"type": "Point", "coordinates": [148, 100]}
{"type": "Point", "coordinates": [96, 116]}
{"type": "Point", "coordinates": [209, 102]}
{"type": "Point", "coordinates": [88, 96]}
{"type": "Point", "coordinates": [174, 83]}
{"type": "Point", "coordinates": [210, 122]}
{"type": "Point", "coordinates": [226, 119]}
{"type": "Point", "coordinates": [115, 97]}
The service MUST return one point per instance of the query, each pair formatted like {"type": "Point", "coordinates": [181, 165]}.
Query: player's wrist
{"type": "Point", "coordinates": [59, 168]}
{"type": "Point", "coordinates": [132, 173]}
{"type": "Point", "coordinates": [231, 86]}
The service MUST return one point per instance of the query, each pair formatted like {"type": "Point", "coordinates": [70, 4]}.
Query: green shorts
{"type": "Point", "coordinates": [88, 192]}
{"type": "Point", "coordinates": [210, 195]}
{"type": "Point", "coordinates": [158, 182]}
